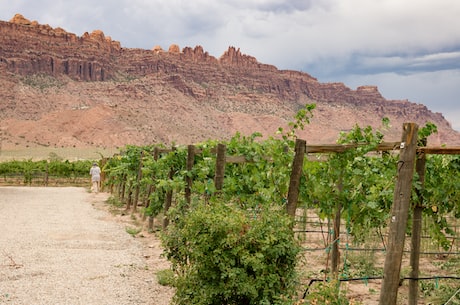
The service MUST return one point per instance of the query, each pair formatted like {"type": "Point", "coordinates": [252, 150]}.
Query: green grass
{"type": "Point", "coordinates": [166, 277]}
{"type": "Point", "coordinates": [133, 231]}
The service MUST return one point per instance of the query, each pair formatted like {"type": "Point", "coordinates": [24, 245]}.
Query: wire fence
{"type": "Point", "coordinates": [362, 258]}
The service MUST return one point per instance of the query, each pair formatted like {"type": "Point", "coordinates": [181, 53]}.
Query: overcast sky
{"type": "Point", "coordinates": [410, 49]}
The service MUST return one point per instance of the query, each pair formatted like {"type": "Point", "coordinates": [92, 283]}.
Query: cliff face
{"type": "Point", "coordinates": [61, 89]}
{"type": "Point", "coordinates": [29, 48]}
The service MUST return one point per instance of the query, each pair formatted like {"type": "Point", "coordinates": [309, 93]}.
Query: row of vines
{"type": "Point", "coordinates": [44, 172]}
{"type": "Point", "coordinates": [225, 227]}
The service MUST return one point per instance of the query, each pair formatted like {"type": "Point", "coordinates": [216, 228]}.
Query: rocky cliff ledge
{"type": "Point", "coordinates": [178, 95]}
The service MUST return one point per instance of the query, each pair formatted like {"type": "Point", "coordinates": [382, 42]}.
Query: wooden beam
{"type": "Point", "coordinates": [453, 150]}
{"type": "Point", "coordinates": [328, 148]}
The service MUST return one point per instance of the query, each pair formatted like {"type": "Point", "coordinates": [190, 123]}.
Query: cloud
{"type": "Point", "coordinates": [400, 64]}
{"type": "Point", "coordinates": [437, 90]}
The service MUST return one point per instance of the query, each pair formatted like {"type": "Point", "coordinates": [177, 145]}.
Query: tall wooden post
{"type": "Point", "coordinates": [168, 199]}
{"type": "Point", "coordinates": [156, 155]}
{"type": "Point", "coordinates": [103, 174]}
{"type": "Point", "coordinates": [138, 183]}
{"type": "Point", "coordinates": [335, 255]}
{"type": "Point", "coordinates": [417, 229]}
{"type": "Point", "coordinates": [294, 183]}
{"type": "Point", "coordinates": [220, 167]}
{"type": "Point", "coordinates": [189, 167]}
{"type": "Point", "coordinates": [399, 215]}
{"type": "Point", "coordinates": [122, 188]}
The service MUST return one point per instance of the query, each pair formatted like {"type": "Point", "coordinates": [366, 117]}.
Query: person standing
{"type": "Point", "coordinates": [95, 173]}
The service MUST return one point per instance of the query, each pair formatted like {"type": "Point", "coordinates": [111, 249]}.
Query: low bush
{"type": "Point", "coordinates": [225, 255]}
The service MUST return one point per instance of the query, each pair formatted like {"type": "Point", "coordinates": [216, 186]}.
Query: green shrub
{"type": "Point", "coordinates": [166, 277]}
{"type": "Point", "coordinates": [224, 255]}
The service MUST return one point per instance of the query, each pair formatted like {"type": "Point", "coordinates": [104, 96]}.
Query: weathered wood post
{"type": "Point", "coordinates": [130, 198]}
{"type": "Point", "coordinates": [103, 174]}
{"type": "Point", "coordinates": [417, 228]}
{"type": "Point", "coordinates": [122, 188]}
{"type": "Point", "coordinates": [294, 183]}
{"type": "Point", "coordinates": [335, 255]}
{"type": "Point", "coordinates": [138, 183]}
{"type": "Point", "coordinates": [156, 155]}
{"type": "Point", "coordinates": [220, 167]}
{"type": "Point", "coordinates": [168, 198]}
{"type": "Point", "coordinates": [189, 167]}
{"type": "Point", "coordinates": [399, 215]}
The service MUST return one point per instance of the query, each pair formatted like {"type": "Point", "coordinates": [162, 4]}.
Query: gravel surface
{"type": "Point", "coordinates": [63, 246]}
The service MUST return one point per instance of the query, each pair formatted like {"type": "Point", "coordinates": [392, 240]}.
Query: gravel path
{"type": "Point", "coordinates": [61, 246]}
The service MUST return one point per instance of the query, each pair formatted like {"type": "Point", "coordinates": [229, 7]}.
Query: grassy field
{"type": "Point", "coordinates": [66, 153]}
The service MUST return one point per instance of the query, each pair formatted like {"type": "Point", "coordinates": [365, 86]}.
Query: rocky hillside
{"type": "Point", "coordinates": [60, 89]}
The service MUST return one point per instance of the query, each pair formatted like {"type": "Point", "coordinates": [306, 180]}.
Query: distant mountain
{"type": "Point", "coordinates": [59, 89]}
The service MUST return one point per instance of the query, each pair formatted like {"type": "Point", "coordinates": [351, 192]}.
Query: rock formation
{"type": "Point", "coordinates": [55, 85]}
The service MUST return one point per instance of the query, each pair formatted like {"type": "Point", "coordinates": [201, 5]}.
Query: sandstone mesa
{"type": "Point", "coordinates": [60, 89]}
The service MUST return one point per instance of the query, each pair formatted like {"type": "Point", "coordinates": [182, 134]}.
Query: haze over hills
{"type": "Point", "coordinates": [60, 89]}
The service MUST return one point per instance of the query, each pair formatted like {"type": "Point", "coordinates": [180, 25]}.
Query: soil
{"type": "Point", "coordinates": [62, 246]}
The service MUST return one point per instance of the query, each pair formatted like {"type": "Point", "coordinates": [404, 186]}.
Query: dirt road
{"type": "Point", "coordinates": [60, 246]}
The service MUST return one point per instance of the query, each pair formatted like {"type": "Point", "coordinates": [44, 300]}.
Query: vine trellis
{"type": "Point", "coordinates": [280, 173]}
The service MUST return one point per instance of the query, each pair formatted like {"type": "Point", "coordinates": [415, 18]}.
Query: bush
{"type": "Point", "coordinates": [224, 255]}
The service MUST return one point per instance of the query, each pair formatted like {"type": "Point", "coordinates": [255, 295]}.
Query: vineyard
{"type": "Point", "coordinates": [340, 197]}
{"type": "Point", "coordinates": [274, 220]}
{"type": "Point", "coordinates": [44, 172]}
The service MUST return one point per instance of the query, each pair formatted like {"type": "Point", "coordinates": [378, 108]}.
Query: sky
{"type": "Point", "coordinates": [410, 49]}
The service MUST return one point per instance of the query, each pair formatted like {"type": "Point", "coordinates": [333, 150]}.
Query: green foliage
{"type": "Point", "coordinates": [133, 231]}
{"type": "Point", "coordinates": [209, 242]}
{"type": "Point", "coordinates": [301, 118]}
{"type": "Point", "coordinates": [426, 131]}
{"type": "Point", "coordinates": [166, 277]}
{"type": "Point", "coordinates": [327, 293]}
{"type": "Point", "coordinates": [358, 181]}
{"type": "Point", "coordinates": [55, 168]}
{"type": "Point", "coordinates": [114, 202]}
{"type": "Point", "coordinates": [441, 195]}
{"type": "Point", "coordinates": [225, 255]}
{"type": "Point", "coordinates": [440, 293]}
{"type": "Point", "coordinates": [264, 178]}
{"type": "Point", "coordinates": [362, 264]}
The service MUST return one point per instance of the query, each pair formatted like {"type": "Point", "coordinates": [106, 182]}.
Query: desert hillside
{"type": "Point", "coordinates": [58, 89]}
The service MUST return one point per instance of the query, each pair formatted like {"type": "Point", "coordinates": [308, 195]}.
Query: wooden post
{"type": "Point", "coordinates": [156, 155]}
{"type": "Point", "coordinates": [146, 201]}
{"type": "Point", "coordinates": [168, 199]}
{"type": "Point", "coordinates": [399, 215]}
{"type": "Point", "coordinates": [417, 228]}
{"type": "Point", "coordinates": [138, 184]}
{"type": "Point", "coordinates": [220, 167]}
{"type": "Point", "coordinates": [335, 255]}
{"type": "Point", "coordinates": [130, 198]}
{"type": "Point", "coordinates": [103, 174]}
{"type": "Point", "coordinates": [189, 167]}
{"type": "Point", "coordinates": [297, 164]}
{"type": "Point", "coordinates": [122, 188]}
